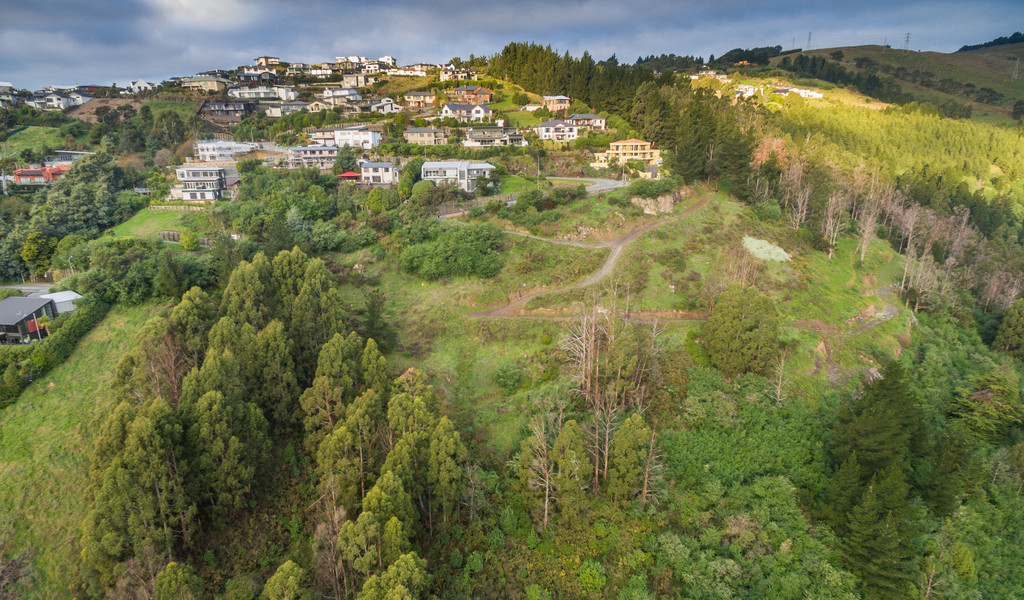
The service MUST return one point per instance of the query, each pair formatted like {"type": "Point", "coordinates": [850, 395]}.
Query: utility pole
{"type": "Point", "coordinates": [1016, 69]}
{"type": "Point", "coordinates": [906, 42]}
{"type": "Point", "coordinates": [809, 39]}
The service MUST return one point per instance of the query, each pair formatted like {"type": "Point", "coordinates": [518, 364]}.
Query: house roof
{"type": "Point", "coordinates": [420, 94]}
{"type": "Point", "coordinates": [584, 116]}
{"type": "Point", "coordinates": [461, 164]}
{"type": "Point", "coordinates": [553, 123]}
{"type": "Point", "coordinates": [378, 165]}
{"type": "Point", "coordinates": [349, 174]}
{"type": "Point", "coordinates": [630, 141]}
{"type": "Point", "coordinates": [557, 98]}
{"type": "Point", "coordinates": [423, 130]}
{"type": "Point", "coordinates": [452, 106]}
{"type": "Point", "coordinates": [64, 296]}
{"type": "Point", "coordinates": [298, 148]}
{"type": "Point", "coordinates": [14, 310]}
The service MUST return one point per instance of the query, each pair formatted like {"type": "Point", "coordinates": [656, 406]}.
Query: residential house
{"type": "Point", "coordinates": [377, 173]}
{"type": "Point", "coordinates": [557, 103]}
{"type": "Point", "coordinates": [78, 98]}
{"type": "Point", "coordinates": [487, 137]}
{"type": "Point", "coordinates": [267, 61]}
{"type": "Point", "coordinates": [532, 107]}
{"type": "Point", "coordinates": [296, 69]}
{"type": "Point", "coordinates": [230, 112]}
{"type": "Point", "coordinates": [472, 94]}
{"type": "Point", "coordinates": [426, 136]}
{"type": "Point", "coordinates": [263, 92]}
{"type": "Point", "coordinates": [417, 70]}
{"type": "Point", "coordinates": [264, 78]}
{"type": "Point", "coordinates": [317, 157]}
{"type": "Point", "coordinates": [286, 108]}
{"type": "Point", "coordinates": [357, 80]}
{"type": "Point", "coordinates": [420, 99]}
{"type": "Point", "coordinates": [626, 150]}
{"type": "Point", "coordinates": [19, 318]}
{"type": "Point", "coordinates": [372, 67]}
{"type": "Point", "coordinates": [318, 106]}
{"type": "Point", "coordinates": [449, 73]}
{"type": "Point", "coordinates": [205, 83]}
{"type": "Point", "coordinates": [460, 172]}
{"type": "Point", "coordinates": [40, 176]}
{"type": "Point", "coordinates": [204, 182]}
{"type": "Point", "coordinates": [744, 90]}
{"type": "Point", "coordinates": [558, 131]}
{"type": "Point", "coordinates": [69, 156]}
{"type": "Point", "coordinates": [467, 113]}
{"type": "Point", "coordinates": [384, 106]}
{"type": "Point", "coordinates": [587, 121]}
{"type": "Point", "coordinates": [358, 137]}
{"type": "Point", "coordinates": [222, 150]}
{"type": "Point", "coordinates": [388, 60]}
{"type": "Point", "coordinates": [255, 70]}
{"type": "Point", "coordinates": [6, 94]}
{"type": "Point", "coordinates": [64, 302]}
{"type": "Point", "coordinates": [221, 73]}
{"type": "Point", "coordinates": [139, 86]}
{"type": "Point", "coordinates": [335, 96]}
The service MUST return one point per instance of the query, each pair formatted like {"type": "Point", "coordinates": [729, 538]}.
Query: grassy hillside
{"type": "Point", "coordinates": [35, 138]}
{"type": "Point", "coordinates": [939, 77]}
{"type": "Point", "coordinates": [45, 442]}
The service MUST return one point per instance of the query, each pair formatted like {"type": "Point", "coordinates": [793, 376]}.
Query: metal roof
{"type": "Point", "coordinates": [13, 310]}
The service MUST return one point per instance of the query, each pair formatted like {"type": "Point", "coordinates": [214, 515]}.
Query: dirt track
{"type": "Point", "coordinates": [617, 246]}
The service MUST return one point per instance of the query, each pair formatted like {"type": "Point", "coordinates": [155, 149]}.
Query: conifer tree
{"type": "Point", "coordinates": [289, 582]}
{"type": "Point", "coordinates": [169, 281]}
{"type": "Point", "coordinates": [387, 498]}
{"type": "Point", "coordinates": [406, 578]}
{"type": "Point", "coordinates": [177, 581]}
{"type": "Point", "coordinates": [246, 294]}
{"type": "Point", "coordinates": [628, 455]}
{"type": "Point", "coordinates": [444, 470]}
{"type": "Point", "coordinates": [289, 272]}
{"type": "Point", "coordinates": [190, 321]}
{"type": "Point", "coordinates": [742, 333]}
{"type": "Point", "coordinates": [573, 470]}
{"type": "Point", "coordinates": [1010, 335]}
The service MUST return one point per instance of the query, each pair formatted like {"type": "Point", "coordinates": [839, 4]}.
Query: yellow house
{"type": "Point", "coordinates": [626, 150]}
{"type": "Point", "coordinates": [205, 83]}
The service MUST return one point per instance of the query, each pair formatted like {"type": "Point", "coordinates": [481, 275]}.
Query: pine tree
{"type": "Point", "coordinates": [406, 578]}
{"type": "Point", "coordinates": [168, 281]}
{"type": "Point", "coordinates": [324, 408]}
{"type": "Point", "coordinates": [276, 387]}
{"type": "Point", "coordinates": [573, 470]}
{"type": "Point", "coordinates": [246, 294]}
{"type": "Point", "coordinates": [444, 470]}
{"type": "Point", "coordinates": [627, 456]}
{"type": "Point", "coordinates": [742, 332]}
{"type": "Point", "coordinates": [289, 582]}
{"type": "Point", "coordinates": [289, 272]}
{"type": "Point", "coordinates": [1010, 335]}
{"type": "Point", "coordinates": [879, 547]}
{"type": "Point", "coordinates": [189, 322]}
{"type": "Point", "coordinates": [387, 498]}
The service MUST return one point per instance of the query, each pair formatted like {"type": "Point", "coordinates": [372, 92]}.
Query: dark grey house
{"type": "Point", "coordinates": [19, 319]}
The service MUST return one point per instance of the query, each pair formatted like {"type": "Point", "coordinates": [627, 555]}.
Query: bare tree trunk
{"type": "Point", "coordinates": [651, 461]}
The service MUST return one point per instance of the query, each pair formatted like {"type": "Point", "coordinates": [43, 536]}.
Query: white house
{"type": "Point", "coordinates": [558, 131]}
{"type": "Point", "coordinates": [202, 182]}
{"type": "Point", "coordinates": [336, 95]}
{"type": "Point", "coordinates": [222, 150]}
{"type": "Point", "coordinates": [140, 85]}
{"type": "Point", "coordinates": [587, 121]}
{"type": "Point", "coordinates": [286, 108]}
{"type": "Point", "coordinates": [467, 113]}
{"type": "Point", "coordinates": [357, 80]}
{"type": "Point", "coordinates": [263, 92]}
{"type": "Point", "coordinates": [377, 173]}
{"type": "Point", "coordinates": [388, 60]}
{"type": "Point", "coordinates": [317, 157]}
{"type": "Point", "coordinates": [384, 106]}
{"type": "Point", "coordinates": [460, 172]}
{"type": "Point", "coordinates": [487, 137]}
{"type": "Point", "coordinates": [358, 137]}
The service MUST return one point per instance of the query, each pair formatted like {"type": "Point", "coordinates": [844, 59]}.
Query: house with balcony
{"type": "Point", "coordinates": [420, 100]}
{"type": "Point", "coordinates": [426, 136]}
{"type": "Point", "coordinates": [205, 83]}
{"type": "Point", "coordinates": [286, 108]}
{"type": "Point", "coordinates": [557, 103]}
{"type": "Point", "coordinates": [462, 173]}
{"type": "Point", "coordinates": [383, 106]}
{"type": "Point", "coordinates": [40, 176]}
{"type": "Point", "coordinates": [587, 121]}
{"type": "Point", "coordinates": [229, 112]}
{"type": "Point", "coordinates": [222, 150]}
{"type": "Point", "coordinates": [626, 150]}
{"type": "Point", "coordinates": [449, 73]}
{"type": "Point", "coordinates": [358, 80]}
{"type": "Point", "coordinates": [358, 137]}
{"type": "Point", "coordinates": [557, 131]}
{"type": "Point", "coordinates": [377, 173]}
{"type": "Point", "coordinates": [267, 61]}
{"type": "Point", "coordinates": [336, 96]}
{"type": "Point", "coordinates": [201, 182]}
{"type": "Point", "coordinates": [467, 113]}
{"type": "Point", "coordinates": [489, 137]}
{"type": "Point", "coordinates": [263, 92]}
{"type": "Point", "coordinates": [472, 94]}
{"type": "Point", "coordinates": [315, 157]}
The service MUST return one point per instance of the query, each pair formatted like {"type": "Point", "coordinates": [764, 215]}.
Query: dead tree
{"type": "Point", "coordinates": [834, 221]}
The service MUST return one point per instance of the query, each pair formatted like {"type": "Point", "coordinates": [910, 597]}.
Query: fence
{"type": "Point", "coordinates": [176, 207]}
{"type": "Point", "coordinates": [451, 208]}
{"type": "Point", "coordinates": [175, 236]}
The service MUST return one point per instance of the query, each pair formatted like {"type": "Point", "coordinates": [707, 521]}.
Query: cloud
{"type": "Point", "coordinates": [100, 41]}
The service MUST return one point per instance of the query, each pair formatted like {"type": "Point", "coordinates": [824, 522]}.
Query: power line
{"type": "Point", "coordinates": [809, 39]}
{"type": "Point", "coordinates": [906, 42]}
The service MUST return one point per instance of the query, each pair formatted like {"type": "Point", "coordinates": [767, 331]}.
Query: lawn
{"type": "Point", "coordinates": [185, 109]}
{"type": "Point", "coordinates": [146, 222]}
{"type": "Point", "coordinates": [45, 441]}
{"type": "Point", "coordinates": [35, 138]}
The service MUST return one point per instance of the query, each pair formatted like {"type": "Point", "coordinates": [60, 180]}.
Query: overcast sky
{"type": "Point", "coordinates": [68, 42]}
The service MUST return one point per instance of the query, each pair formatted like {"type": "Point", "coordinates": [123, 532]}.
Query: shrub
{"type": "Point", "coordinates": [455, 558]}
{"type": "Point", "coordinates": [651, 188]}
{"type": "Point", "coordinates": [508, 520]}
{"type": "Point", "coordinates": [464, 251]}
{"type": "Point", "coordinates": [591, 577]}
{"type": "Point", "coordinates": [508, 377]}
{"type": "Point", "coordinates": [496, 539]}
{"type": "Point", "coordinates": [475, 563]}
{"type": "Point", "coordinates": [768, 211]}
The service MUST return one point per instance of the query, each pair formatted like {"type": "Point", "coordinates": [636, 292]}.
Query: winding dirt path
{"type": "Point", "coordinates": [617, 246]}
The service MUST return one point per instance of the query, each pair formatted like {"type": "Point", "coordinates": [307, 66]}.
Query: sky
{"type": "Point", "coordinates": [78, 42]}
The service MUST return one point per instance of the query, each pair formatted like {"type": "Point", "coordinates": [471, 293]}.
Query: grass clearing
{"type": "Point", "coordinates": [45, 441]}
{"type": "Point", "coordinates": [35, 138]}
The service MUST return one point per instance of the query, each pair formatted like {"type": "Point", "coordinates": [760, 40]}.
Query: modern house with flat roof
{"type": "Point", "coordinates": [19, 319]}
{"type": "Point", "coordinates": [459, 172]}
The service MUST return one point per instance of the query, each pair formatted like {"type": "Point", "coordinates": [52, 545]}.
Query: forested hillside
{"type": "Point", "coordinates": [789, 368]}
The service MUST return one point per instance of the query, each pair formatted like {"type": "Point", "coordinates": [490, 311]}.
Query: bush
{"type": "Point", "coordinates": [508, 520]}
{"type": "Point", "coordinates": [591, 577]}
{"type": "Point", "coordinates": [455, 558]}
{"type": "Point", "coordinates": [768, 211]}
{"type": "Point", "coordinates": [475, 563]}
{"type": "Point", "coordinates": [651, 188]}
{"type": "Point", "coordinates": [496, 539]}
{"type": "Point", "coordinates": [464, 251]}
{"type": "Point", "coordinates": [508, 377]}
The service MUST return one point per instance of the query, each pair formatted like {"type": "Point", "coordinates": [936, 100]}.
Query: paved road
{"type": "Point", "coordinates": [32, 289]}
{"type": "Point", "coordinates": [617, 247]}
{"type": "Point", "coordinates": [597, 185]}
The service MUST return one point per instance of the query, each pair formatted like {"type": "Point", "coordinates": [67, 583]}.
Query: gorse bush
{"type": "Point", "coordinates": [465, 251]}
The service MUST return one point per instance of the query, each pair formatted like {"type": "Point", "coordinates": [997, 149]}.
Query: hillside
{"type": "Point", "coordinates": [964, 77]}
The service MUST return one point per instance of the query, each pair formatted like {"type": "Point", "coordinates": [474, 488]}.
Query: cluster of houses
{"type": "Point", "coordinates": [51, 169]}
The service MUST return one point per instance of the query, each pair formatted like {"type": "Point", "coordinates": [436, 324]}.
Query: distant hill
{"type": "Point", "coordinates": [981, 79]}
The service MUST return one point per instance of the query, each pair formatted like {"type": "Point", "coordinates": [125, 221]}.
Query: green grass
{"type": "Point", "coordinates": [521, 118]}
{"type": "Point", "coordinates": [45, 441]}
{"type": "Point", "coordinates": [146, 222]}
{"type": "Point", "coordinates": [35, 138]}
{"type": "Point", "coordinates": [185, 109]}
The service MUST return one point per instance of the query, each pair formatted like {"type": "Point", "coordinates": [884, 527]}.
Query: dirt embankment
{"type": "Point", "coordinates": [87, 111]}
